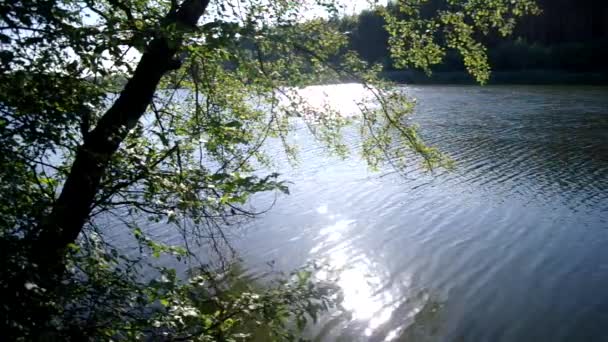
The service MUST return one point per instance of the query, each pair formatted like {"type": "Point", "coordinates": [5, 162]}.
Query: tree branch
{"type": "Point", "coordinates": [72, 209]}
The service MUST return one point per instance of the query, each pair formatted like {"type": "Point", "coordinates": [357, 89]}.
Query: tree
{"type": "Point", "coordinates": [207, 83]}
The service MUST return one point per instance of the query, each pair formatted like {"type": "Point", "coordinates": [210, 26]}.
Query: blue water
{"type": "Point", "coordinates": [511, 245]}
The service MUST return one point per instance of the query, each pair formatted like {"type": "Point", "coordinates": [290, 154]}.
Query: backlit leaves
{"type": "Point", "coordinates": [201, 151]}
{"type": "Point", "coordinates": [419, 41]}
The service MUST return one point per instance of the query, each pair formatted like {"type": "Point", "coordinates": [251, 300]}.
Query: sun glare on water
{"type": "Point", "coordinates": [363, 283]}
{"type": "Point", "coordinates": [339, 99]}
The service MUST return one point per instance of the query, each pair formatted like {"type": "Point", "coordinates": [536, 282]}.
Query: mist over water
{"type": "Point", "coordinates": [509, 246]}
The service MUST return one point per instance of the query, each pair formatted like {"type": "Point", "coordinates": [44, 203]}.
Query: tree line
{"type": "Point", "coordinates": [569, 35]}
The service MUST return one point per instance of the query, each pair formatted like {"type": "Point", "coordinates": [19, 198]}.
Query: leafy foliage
{"type": "Point", "coordinates": [562, 38]}
{"type": "Point", "coordinates": [458, 22]}
{"type": "Point", "coordinates": [181, 143]}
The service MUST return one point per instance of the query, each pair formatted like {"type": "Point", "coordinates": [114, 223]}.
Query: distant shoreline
{"type": "Point", "coordinates": [520, 77]}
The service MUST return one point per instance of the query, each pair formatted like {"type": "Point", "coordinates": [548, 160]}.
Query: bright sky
{"type": "Point", "coordinates": [350, 7]}
{"type": "Point", "coordinates": [355, 6]}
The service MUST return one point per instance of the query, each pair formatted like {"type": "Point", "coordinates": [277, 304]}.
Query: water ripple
{"type": "Point", "coordinates": [510, 246]}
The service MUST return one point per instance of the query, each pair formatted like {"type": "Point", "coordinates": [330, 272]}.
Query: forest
{"type": "Point", "coordinates": [137, 138]}
{"type": "Point", "coordinates": [568, 37]}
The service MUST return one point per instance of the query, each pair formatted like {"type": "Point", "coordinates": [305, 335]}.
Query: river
{"type": "Point", "coordinates": [511, 245]}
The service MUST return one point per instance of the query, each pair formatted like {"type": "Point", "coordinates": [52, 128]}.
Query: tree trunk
{"type": "Point", "coordinates": [72, 209]}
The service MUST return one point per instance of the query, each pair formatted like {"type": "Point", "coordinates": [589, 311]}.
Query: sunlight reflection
{"type": "Point", "coordinates": [379, 307]}
{"type": "Point", "coordinates": [332, 233]}
{"type": "Point", "coordinates": [342, 98]}
{"type": "Point", "coordinates": [393, 334]}
{"type": "Point", "coordinates": [357, 276]}
{"type": "Point", "coordinates": [322, 209]}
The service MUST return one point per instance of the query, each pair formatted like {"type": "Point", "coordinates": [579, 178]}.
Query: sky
{"type": "Point", "coordinates": [356, 6]}
{"type": "Point", "coordinates": [350, 7]}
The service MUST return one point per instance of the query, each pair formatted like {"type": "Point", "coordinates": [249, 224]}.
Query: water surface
{"type": "Point", "coordinates": [512, 245]}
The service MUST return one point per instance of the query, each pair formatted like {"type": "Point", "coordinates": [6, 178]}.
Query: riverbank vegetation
{"type": "Point", "coordinates": [181, 145]}
{"type": "Point", "coordinates": [566, 44]}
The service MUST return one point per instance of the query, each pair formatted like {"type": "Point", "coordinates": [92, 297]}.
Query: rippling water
{"type": "Point", "coordinates": [510, 246]}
